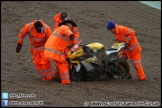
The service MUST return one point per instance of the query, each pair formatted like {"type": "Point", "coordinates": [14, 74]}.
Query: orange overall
{"type": "Point", "coordinates": [76, 37]}
{"type": "Point", "coordinates": [57, 20]}
{"type": "Point", "coordinates": [55, 48]}
{"type": "Point", "coordinates": [37, 41]}
{"type": "Point", "coordinates": [125, 34]}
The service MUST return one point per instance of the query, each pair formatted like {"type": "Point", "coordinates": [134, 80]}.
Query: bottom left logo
{"type": "Point", "coordinates": [4, 102]}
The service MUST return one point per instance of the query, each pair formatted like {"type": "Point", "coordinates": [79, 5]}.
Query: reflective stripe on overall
{"type": "Point", "coordinates": [43, 72]}
{"type": "Point", "coordinates": [60, 36]}
{"type": "Point", "coordinates": [136, 59]}
{"type": "Point", "coordinates": [130, 39]}
{"type": "Point", "coordinates": [75, 31]}
{"type": "Point", "coordinates": [37, 39]}
{"type": "Point", "coordinates": [64, 73]}
{"type": "Point", "coordinates": [47, 72]}
{"type": "Point", "coordinates": [30, 34]}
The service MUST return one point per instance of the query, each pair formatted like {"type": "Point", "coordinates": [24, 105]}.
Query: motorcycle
{"type": "Point", "coordinates": [85, 66]}
{"type": "Point", "coordinates": [91, 61]}
{"type": "Point", "coordinates": [116, 66]}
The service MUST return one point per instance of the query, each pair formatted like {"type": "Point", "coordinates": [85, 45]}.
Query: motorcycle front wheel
{"type": "Point", "coordinates": [94, 74]}
{"type": "Point", "coordinates": [75, 76]}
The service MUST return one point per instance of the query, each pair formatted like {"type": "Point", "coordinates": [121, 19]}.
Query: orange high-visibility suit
{"type": "Point", "coordinates": [37, 42]}
{"type": "Point", "coordinates": [57, 20]}
{"type": "Point", "coordinates": [56, 47]}
{"type": "Point", "coordinates": [76, 37]}
{"type": "Point", "coordinates": [125, 34]}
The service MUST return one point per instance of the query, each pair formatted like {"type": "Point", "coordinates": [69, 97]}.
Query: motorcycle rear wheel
{"type": "Point", "coordinates": [119, 69]}
{"type": "Point", "coordinates": [124, 69]}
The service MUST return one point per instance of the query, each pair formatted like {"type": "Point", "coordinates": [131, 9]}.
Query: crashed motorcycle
{"type": "Point", "coordinates": [116, 66]}
{"type": "Point", "coordinates": [91, 61]}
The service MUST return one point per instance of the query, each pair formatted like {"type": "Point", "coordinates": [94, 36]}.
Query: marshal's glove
{"type": "Point", "coordinates": [69, 63]}
{"type": "Point", "coordinates": [68, 60]}
{"type": "Point", "coordinates": [126, 44]}
{"type": "Point", "coordinates": [70, 46]}
{"type": "Point", "coordinates": [18, 48]}
{"type": "Point", "coordinates": [71, 37]}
